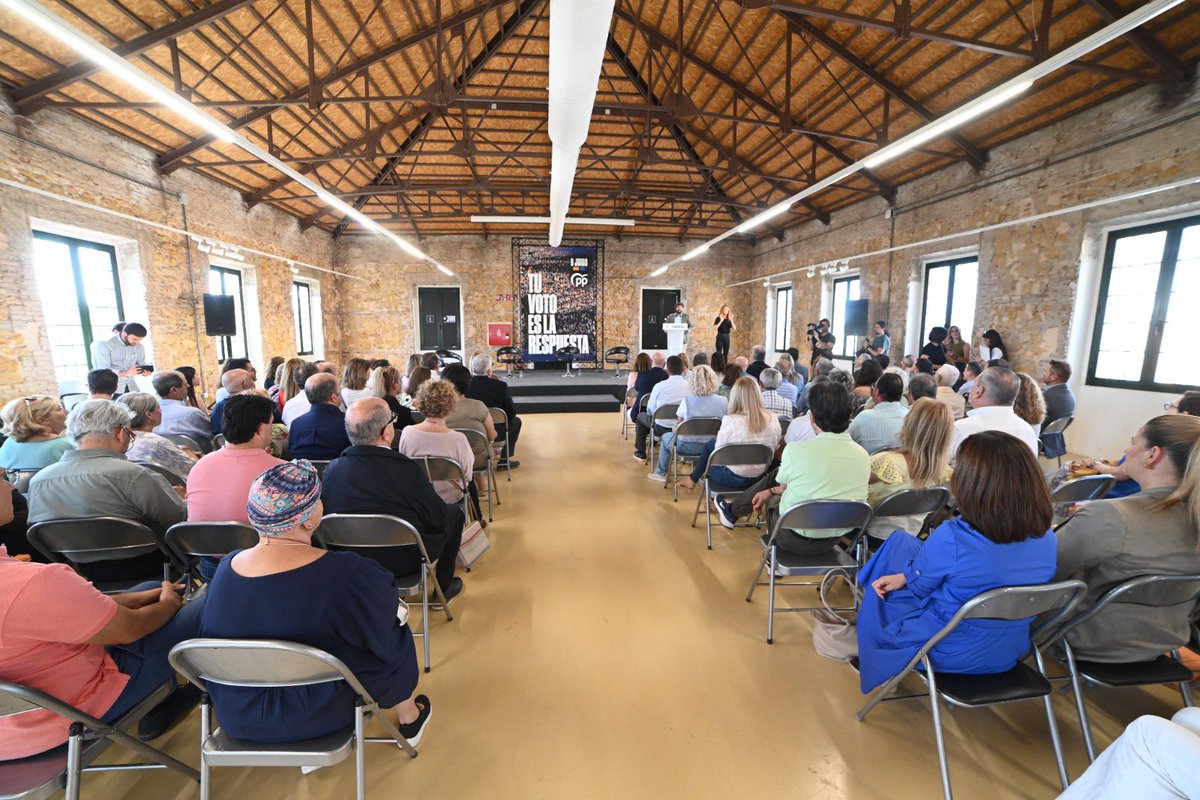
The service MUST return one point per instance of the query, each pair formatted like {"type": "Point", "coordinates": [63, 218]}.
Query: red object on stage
{"type": "Point", "coordinates": [499, 334]}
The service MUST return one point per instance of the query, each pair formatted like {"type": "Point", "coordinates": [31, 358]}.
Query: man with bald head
{"type": "Point", "coordinates": [370, 477]}
{"type": "Point", "coordinates": [234, 381]}
{"type": "Point", "coordinates": [320, 434]}
{"type": "Point", "coordinates": [991, 401]}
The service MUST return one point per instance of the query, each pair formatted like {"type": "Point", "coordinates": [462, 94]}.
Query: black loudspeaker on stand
{"type": "Point", "coordinates": [219, 316]}
{"type": "Point", "coordinates": [856, 318]}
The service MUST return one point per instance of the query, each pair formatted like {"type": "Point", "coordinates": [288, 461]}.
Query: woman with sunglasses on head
{"type": "Point", "coordinates": [34, 426]}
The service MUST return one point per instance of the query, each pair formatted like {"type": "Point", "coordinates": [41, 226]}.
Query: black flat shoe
{"type": "Point", "coordinates": [449, 592]}
{"type": "Point", "coordinates": [510, 464]}
{"type": "Point", "coordinates": [169, 712]}
{"type": "Point", "coordinates": [414, 730]}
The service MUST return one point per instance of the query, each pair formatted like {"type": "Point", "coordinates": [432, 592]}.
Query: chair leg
{"type": "Point", "coordinates": [437, 589]}
{"type": "Point", "coordinates": [696, 511]}
{"type": "Point", "coordinates": [74, 761]}
{"type": "Point", "coordinates": [1055, 739]}
{"type": "Point", "coordinates": [1085, 724]}
{"type": "Point", "coordinates": [360, 764]}
{"type": "Point", "coordinates": [205, 767]}
{"type": "Point", "coordinates": [771, 600]}
{"type": "Point", "coordinates": [424, 612]}
{"type": "Point", "coordinates": [1185, 687]}
{"type": "Point", "coordinates": [708, 515]}
{"type": "Point", "coordinates": [937, 730]}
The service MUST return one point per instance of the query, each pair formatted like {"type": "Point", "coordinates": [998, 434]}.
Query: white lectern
{"type": "Point", "coordinates": [676, 337]}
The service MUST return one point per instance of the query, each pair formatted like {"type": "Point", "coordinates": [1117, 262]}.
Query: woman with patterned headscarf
{"type": "Point", "coordinates": [284, 588]}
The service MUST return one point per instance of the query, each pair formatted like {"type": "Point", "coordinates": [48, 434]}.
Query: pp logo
{"type": "Point", "coordinates": [579, 279]}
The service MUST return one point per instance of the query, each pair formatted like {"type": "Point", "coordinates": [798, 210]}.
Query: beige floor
{"type": "Point", "coordinates": [601, 652]}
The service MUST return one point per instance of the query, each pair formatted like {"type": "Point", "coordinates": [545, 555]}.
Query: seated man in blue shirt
{"type": "Point", "coordinates": [320, 434]}
{"type": "Point", "coordinates": [178, 418]}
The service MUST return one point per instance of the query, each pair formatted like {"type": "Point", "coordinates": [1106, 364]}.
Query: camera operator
{"type": "Point", "coordinates": [821, 340]}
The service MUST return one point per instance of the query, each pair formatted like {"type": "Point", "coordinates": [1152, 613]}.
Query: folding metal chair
{"type": "Point", "coordinates": [170, 477]}
{"type": "Point", "coordinates": [45, 774]}
{"type": "Point", "coordinates": [913, 503]}
{"type": "Point", "coordinates": [975, 691]}
{"type": "Point", "coordinates": [784, 424]}
{"type": "Point", "coordinates": [1080, 490]}
{"type": "Point", "coordinates": [79, 542]}
{"type": "Point", "coordinates": [819, 515]}
{"type": "Point", "coordinates": [440, 468]}
{"type": "Point", "coordinates": [501, 418]}
{"type": "Point", "coordinates": [184, 441]}
{"type": "Point", "coordinates": [663, 420]}
{"type": "Point", "coordinates": [1151, 591]}
{"type": "Point", "coordinates": [630, 394]}
{"type": "Point", "coordinates": [1056, 427]}
{"type": "Point", "coordinates": [696, 426]}
{"type": "Point", "coordinates": [617, 356]}
{"type": "Point", "coordinates": [489, 469]}
{"type": "Point", "coordinates": [448, 357]}
{"type": "Point", "coordinates": [20, 478]}
{"type": "Point", "coordinates": [72, 399]}
{"type": "Point", "coordinates": [319, 466]}
{"type": "Point", "coordinates": [192, 541]}
{"type": "Point", "coordinates": [367, 535]}
{"type": "Point", "coordinates": [218, 441]}
{"type": "Point", "coordinates": [728, 455]}
{"type": "Point", "coordinates": [266, 663]}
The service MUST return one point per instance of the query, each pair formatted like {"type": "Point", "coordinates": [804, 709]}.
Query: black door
{"type": "Point", "coordinates": [656, 305]}
{"type": "Point", "coordinates": [437, 307]}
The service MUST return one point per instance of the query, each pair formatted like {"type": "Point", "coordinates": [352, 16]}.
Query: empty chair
{"type": "Point", "coordinates": [509, 357]}
{"type": "Point", "coordinates": [45, 774]}
{"type": "Point", "coordinates": [489, 469]}
{"type": "Point", "coordinates": [812, 515]}
{"type": "Point", "coordinates": [728, 455]}
{"type": "Point", "coordinates": [192, 541]}
{"type": "Point", "coordinates": [569, 354]}
{"type": "Point", "coordinates": [975, 691]}
{"type": "Point", "coordinates": [83, 543]}
{"type": "Point", "coordinates": [376, 535]}
{"type": "Point", "coordinates": [256, 663]}
{"type": "Point", "coordinates": [617, 356]}
{"type": "Point", "coordinates": [696, 426]}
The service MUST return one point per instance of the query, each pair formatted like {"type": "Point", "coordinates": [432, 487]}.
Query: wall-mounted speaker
{"type": "Point", "coordinates": [219, 316]}
{"type": "Point", "coordinates": [856, 318]}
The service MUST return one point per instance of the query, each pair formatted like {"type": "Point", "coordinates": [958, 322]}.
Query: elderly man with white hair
{"type": "Point", "coordinates": [493, 393]}
{"type": "Point", "coordinates": [773, 400]}
{"type": "Point", "coordinates": [947, 376]}
{"type": "Point", "coordinates": [178, 418]}
{"type": "Point", "coordinates": [234, 381]}
{"type": "Point", "coordinates": [992, 409]}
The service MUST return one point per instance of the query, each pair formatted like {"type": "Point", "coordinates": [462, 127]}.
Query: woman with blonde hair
{"type": "Point", "coordinates": [747, 422]}
{"type": "Point", "coordinates": [701, 400]}
{"type": "Point", "coordinates": [1030, 405]}
{"type": "Point", "coordinates": [433, 437]}
{"type": "Point", "coordinates": [1152, 532]}
{"type": "Point", "coordinates": [34, 426]}
{"type": "Point", "coordinates": [149, 447]}
{"type": "Point", "coordinates": [385, 383]}
{"type": "Point", "coordinates": [355, 375]}
{"type": "Point", "coordinates": [286, 381]}
{"type": "Point", "coordinates": [921, 461]}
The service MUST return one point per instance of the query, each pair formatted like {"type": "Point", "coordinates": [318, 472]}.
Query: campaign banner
{"type": "Point", "coordinates": [559, 298]}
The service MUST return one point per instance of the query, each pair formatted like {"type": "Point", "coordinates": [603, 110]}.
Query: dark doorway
{"type": "Point", "coordinates": [656, 305]}
{"type": "Point", "coordinates": [439, 313]}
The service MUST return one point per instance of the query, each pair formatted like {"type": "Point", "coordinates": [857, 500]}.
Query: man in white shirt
{"type": "Point", "coordinates": [991, 409]}
{"type": "Point", "coordinates": [298, 406]}
{"type": "Point", "coordinates": [946, 376]}
{"type": "Point", "coordinates": [123, 354]}
{"type": "Point", "coordinates": [178, 417]}
{"type": "Point", "coordinates": [668, 392]}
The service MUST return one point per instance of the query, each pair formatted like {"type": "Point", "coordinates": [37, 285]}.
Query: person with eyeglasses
{"type": "Point", "coordinates": [34, 428]}
{"type": "Point", "coordinates": [369, 477]}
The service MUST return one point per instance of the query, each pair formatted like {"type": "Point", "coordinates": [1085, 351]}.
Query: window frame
{"type": "Point", "coordinates": [1162, 297]}
{"type": "Point", "coordinates": [224, 343]}
{"type": "Point", "coordinates": [74, 244]}
{"type": "Point", "coordinates": [841, 343]}
{"type": "Point", "coordinates": [775, 291]}
{"type": "Point", "coordinates": [953, 264]}
{"type": "Point", "coordinates": [308, 314]}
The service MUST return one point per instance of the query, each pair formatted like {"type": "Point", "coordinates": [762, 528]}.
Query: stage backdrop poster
{"type": "Point", "coordinates": [560, 297]}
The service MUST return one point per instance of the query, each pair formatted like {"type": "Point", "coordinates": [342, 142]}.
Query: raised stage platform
{"type": "Point", "coordinates": [546, 391]}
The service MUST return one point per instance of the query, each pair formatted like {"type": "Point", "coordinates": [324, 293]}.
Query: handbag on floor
{"type": "Point", "coordinates": [474, 544]}
{"type": "Point", "coordinates": [835, 634]}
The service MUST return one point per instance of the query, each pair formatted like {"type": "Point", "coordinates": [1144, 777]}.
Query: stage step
{"type": "Point", "coordinates": [561, 403]}
{"type": "Point", "coordinates": [588, 385]}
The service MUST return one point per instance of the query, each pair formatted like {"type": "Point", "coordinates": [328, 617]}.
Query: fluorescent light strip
{"type": "Point", "coordinates": [500, 219]}
{"type": "Point", "coordinates": [122, 69]}
{"type": "Point", "coordinates": [759, 219]}
{"type": "Point", "coordinates": [689, 255]}
{"type": "Point", "coordinates": [971, 109]}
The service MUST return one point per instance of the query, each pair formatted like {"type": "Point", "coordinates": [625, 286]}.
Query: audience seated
{"type": "Point", "coordinates": [385, 384]}
{"type": "Point", "coordinates": [148, 447]}
{"type": "Point", "coordinates": [34, 428]}
{"type": "Point", "coordinates": [916, 587]}
{"type": "Point", "coordinates": [830, 466]}
{"type": "Point", "coordinates": [864, 378]}
{"type": "Point", "coordinates": [788, 369]}
{"type": "Point", "coordinates": [700, 359]}
{"type": "Point", "coordinates": [418, 378]}
{"type": "Point", "coordinates": [646, 381]}
{"type": "Point", "coordinates": [970, 374]}
{"type": "Point", "coordinates": [234, 381]}
{"type": "Point", "coordinates": [370, 478]}
{"type": "Point", "coordinates": [433, 437]}
{"type": "Point", "coordinates": [1153, 532]}
{"type": "Point", "coordinates": [922, 460]}
{"type": "Point", "coordinates": [641, 363]}
{"type": "Point", "coordinates": [298, 405]}
{"type": "Point", "coordinates": [667, 392]}
{"type": "Point", "coordinates": [414, 361]}
{"type": "Point", "coordinates": [921, 385]}
{"type": "Point", "coordinates": [272, 373]}
{"type": "Point", "coordinates": [320, 433]}
{"type": "Point", "coordinates": [101, 384]}
{"type": "Point", "coordinates": [992, 409]}
{"type": "Point", "coordinates": [470, 414]}
{"type": "Point", "coordinates": [946, 378]}
{"type": "Point", "coordinates": [1154, 759]}
{"type": "Point", "coordinates": [846, 380]}
{"type": "Point", "coordinates": [730, 376]}
{"type": "Point", "coordinates": [231, 364]}
{"type": "Point", "coordinates": [755, 367]}
{"type": "Point", "coordinates": [773, 401]}
{"type": "Point", "coordinates": [878, 428]}
{"type": "Point", "coordinates": [178, 418]}
{"type": "Point", "coordinates": [821, 368]}
{"type": "Point", "coordinates": [284, 588]}
{"type": "Point", "coordinates": [746, 423]}
{"type": "Point", "coordinates": [290, 384]}
{"type": "Point", "coordinates": [702, 400]}
{"type": "Point", "coordinates": [742, 362]}
{"type": "Point", "coordinates": [1029, 405]}
{"type": "Point", "coordinates": [494, 393]}
{"type": "Point", "coordinates": [788, 388]}
{"type": "Point", "coordinates": [935, 348]}
{"type": "Point", "coordinates": [355, 374]}
{"type": "Point", "coordinates": [1186, 403]}
{"type": "Point", "coordinates": [1059, 399]}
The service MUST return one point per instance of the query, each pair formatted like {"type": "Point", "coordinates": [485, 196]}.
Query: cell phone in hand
{"type": "Point", "coordinates": [146, 368]}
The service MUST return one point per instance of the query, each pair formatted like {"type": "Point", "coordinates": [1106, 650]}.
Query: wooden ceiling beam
{"type": "Point", "coordinates": [1174, 69]}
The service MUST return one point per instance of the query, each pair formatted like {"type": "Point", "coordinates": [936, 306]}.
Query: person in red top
{"type": "Point", "coordinates": [102, 654]}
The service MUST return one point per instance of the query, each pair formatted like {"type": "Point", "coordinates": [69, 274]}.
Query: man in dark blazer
{"type": "Point", "coordinates": [759, 363]}
{"type": "Point", "coordinates": [369, 477]}
{"type": "Point", "coordinates": [493, 393]}
{"type": "Point", "coordinates": [1060, 402]}
{"type": "Point", "coordinates": [320, 433]}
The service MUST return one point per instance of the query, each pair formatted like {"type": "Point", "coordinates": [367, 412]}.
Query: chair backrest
{"type": "Point", "coordinates": [20, 478]}
{"type": "Point", "coordinates": [616, 351]}
{"type": "Point", "coordinates": [569, 350]}
{"type": "Point", "coordinates": [183, 441]}
{"type": "Point", "coordinates": [666, 413]}
{"type": "Point", "coordinates": [699, 426]}
{"type": "Point", "coordinates": [476, 439]}
{"type": "Point", "coordinates": [498, 416]}
{"type": "Point", "coordinates": [218, 441]}
{"type": "Point", "coordinates": [742, 455]}
{"type": "Point", "coordinates": [191, 540]}
{"type": "Point", "coordinates": [258, 663]}
{"type": "Point", "coordinates": [784, 424]}
{"type": "Point", "coordinates": [911, 502]}
{"type": "Point", "coordinates": [1089, 487]}
{"type": "Point", "coordinates": [825, 515]}
{"type": "Point", "coordinates": [172, 478]}
{"type": "Point", "coordinates": [1058, 426]}
{"type": "Point", "coordinates": [1156, 591]}
{"type": "Point", "coordinates": [417, 416]}
{"type": "Point", "coordinates": [644, 403]}
{"type": "Point", "coordinates": [631, 393]}
{"type": "Point", "coordinates": [508, 355]}
{"type": "Point", "coordinates": [72, 399]}
{"type": "Point", "coordinates": [319, 466]}
{"type": "Point", "coordinates": [83, 541]}
{"type": "Point", "coordinates": [364, 531]}
{"type": "Point", "coordinates": [440, 468]}
{"type": "Point", "coordinates": [17, 698]}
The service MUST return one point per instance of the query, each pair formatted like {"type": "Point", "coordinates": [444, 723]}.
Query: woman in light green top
{"type": "Point", "coordinates": [34, 426]}
{"type": "Point", "coordinates": [922, 461]}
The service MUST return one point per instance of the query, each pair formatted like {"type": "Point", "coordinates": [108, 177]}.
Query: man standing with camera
{"type": "Point", "coordinates": [821, 340]}
{"type": "Point", "coordinates": [123, 354]}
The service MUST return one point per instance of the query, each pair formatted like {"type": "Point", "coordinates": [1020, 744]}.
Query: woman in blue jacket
{"type": "Point", "coordinates": [1002, 539]}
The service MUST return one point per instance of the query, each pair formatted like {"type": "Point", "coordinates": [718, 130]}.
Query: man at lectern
{"type": "Point", "coordinates": [679, 318]}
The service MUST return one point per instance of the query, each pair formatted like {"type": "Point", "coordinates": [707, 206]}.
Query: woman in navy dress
{"type": "Point", "coordinates": [1002, 539]}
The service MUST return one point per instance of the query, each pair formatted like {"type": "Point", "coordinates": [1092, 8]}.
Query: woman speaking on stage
{"type": "Point", "coordinates": [724, 325]}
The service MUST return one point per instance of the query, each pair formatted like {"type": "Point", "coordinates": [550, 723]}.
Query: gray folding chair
{"type": "Point", "coordinates": [696, 426]}
{"type": "Point", "coordinates": [192, 541]}
{"type": "Point", "coordinates": [20, 478]}
{"type": "Point", "coordinates": [500, 418]}
{"type": "Point", "coordinates": [72, 399]}
{"type": "Point", "coordinates": [630, 394]}
{"type": "Point", "coordinates": [663, 420]}
{"type": "Point", "coordinates": [266, 663]}
{"type": "Point", "coordinates": [45, 774]}
{"type": "Point", "coordinates": [88, 541]}
{"type": "Point", "coordinates": [477, 439]}
{"type": "Point", "coordinates": [975, 691]}
{"type": "Point", "coordinates": [729, 455]}
{"type": "Point", "coordinates": [1151, 591]}
{"type": "Point", "coordinates": [218, 441]}
{"type": "Point", "coordinates": [320, 465]}
{"type": "Point", "coordinates": [170, 477]}
{"type": "Point", "coordinates": [913, 503]}
{"type": "Point", "coordinates": [1057, 426]}
{"type": "Point", "coordinates": [784, 424]}
{"type": "Point", "coordinates": [367, 534]}
{"type": "Point", "coordinates": [817, 515]}
{"type": "Point", "coordinates": [184, 441]}
{"type": "Point", "coordinates": [1080, 490]}
{"type": "Point", "coordinates": [440, 468]}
